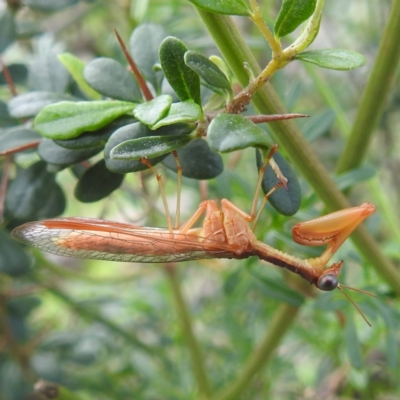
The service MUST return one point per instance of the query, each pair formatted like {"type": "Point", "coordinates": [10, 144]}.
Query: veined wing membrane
{"type": "Point", "coordinates": [106, 240]}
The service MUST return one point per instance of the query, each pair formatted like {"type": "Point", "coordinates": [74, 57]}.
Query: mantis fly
{"type": "Point", "coordinates": [225, 233]}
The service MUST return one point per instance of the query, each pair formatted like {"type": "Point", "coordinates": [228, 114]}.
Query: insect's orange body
{"type": "Point", "coordinates": [225, 234]}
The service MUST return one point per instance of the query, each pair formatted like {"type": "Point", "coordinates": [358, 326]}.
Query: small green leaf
{"type": "Point", "coordinates": [144, 44]}
{"type": "Point", "coordinates": [34, 194]}
{"type": "Point", "coordinates": [152, 146]}
{"type": "Point", "coordinates": [75, 67]}
{"type": "Point", "coordinates": [53, 154]}
{"type": "Point", "coordinates": [90, 140]}
{"type": "Point", "coordinates": [184, 112]}
{"type": "Point", "coordinates": [197, 161]}
{"type": "Point", "coordinates": [5, 118]}
{"type": "Point", "coordinates": [184, 81]}
{"type": "Point", "coordinates": [111, 79]}
{"type": "Point", "coordinates": [227, 7]}
{"type": "Point", "coordinates": [152, 111]}
{"type": "Point", "coordinates": [207, 70]}
{"type": "Point", "coordinates": [29, 104]}
{"type": "Point", "coordinates": [17, 138]}
{"type": "Point", "coordinates": [292, 14]}
{"type": "Point", "coordinates": [286, 202]}
{"type": "Point", "coordinates": [18, 72]}
{"type": "Point", "coordinates": [223, 67]}
{"type": "Point", "coordinates": [13, 260]}
{"type": "Point", "coordinates": [97, 183]}
{"type": "Point", "coordinates": [66, 120]}
{"type": "Point", "coordinates": [46, 73]}
{"type": "Point", "coordinates": [229, 132]}
{"type": "Point", "coordinates": [123, 134]}
{"type": "Point", "coordinates": [7, 28]}
{"type": "Point", "coordinates": [337, 59]}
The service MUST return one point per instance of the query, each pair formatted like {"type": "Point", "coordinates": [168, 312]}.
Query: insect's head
{"type": "Point", "coordinates": [328, 280]}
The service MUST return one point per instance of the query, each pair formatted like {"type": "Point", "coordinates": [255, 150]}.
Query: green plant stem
{"type": "Point", "coordinates": [287, 135]}
{"type": "Point", "coordinates": [375, 94]}
{"type": "Point", "coordinates": [282, 321]}
{"type": "Point", "coordinates": [193, 346]}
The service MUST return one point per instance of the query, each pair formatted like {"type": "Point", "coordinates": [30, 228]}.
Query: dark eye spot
{"type": "Point", "coordinates": [327, 282]}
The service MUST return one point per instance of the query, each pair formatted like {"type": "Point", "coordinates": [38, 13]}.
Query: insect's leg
{"type": "Point", "coordinates": [146, 162]}
{"type": "Point", "coordinates": [179, 189]}
{"type": "Point", "coordinates": [264, 202]}
{"type": "Point", "coordinates": [261, 172]}
{"type": "Point", "coordinates": [207, 205]}
{"type": "Point", "coordinates": [332, 229]}
{"type": "Point", "coordinates": [268, 160]}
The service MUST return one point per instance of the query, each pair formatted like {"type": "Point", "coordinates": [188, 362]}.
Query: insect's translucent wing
{"type": "Point", "coordinates": [106, 240]}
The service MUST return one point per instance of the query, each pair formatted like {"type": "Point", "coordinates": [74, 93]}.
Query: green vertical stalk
{"type": "Point", "coordinates": [375, 94]}
{"type": "Point", "coordinates": [282, 321]}
{"type": "Point", "coordinates": [192, 343]}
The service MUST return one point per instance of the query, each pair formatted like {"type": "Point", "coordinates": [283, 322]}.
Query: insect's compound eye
{"type": "Point", "coordinates": [327, 282]}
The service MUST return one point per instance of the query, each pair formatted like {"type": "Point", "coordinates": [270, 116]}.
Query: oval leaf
{"type": "Point", "coordinates": [292, 14]}
{"type": "Point", "coordinates": [18, 139]}
{"type": "Point", "coordinates": [227, 7]}
{"type": "Point", "coordinates": [286, 202]}
{"type": "Point", "coordinates": [152, 111]}
{"type": "Point", "coordinates": [46, 73]}
{"type": "Point", "coordinates": [111, 79]}
{"type": "Point", "coordinates": [75, 67]}
{"type": "Point", "coordinates": [34, 194]}
{"type": "Point", "coordinates": [99, 138]}
{"type": "Point", "coordinates": [5, 118]}
{"type": "Point", "coordinates": [128, 132]}
{"type": "Point", "coordinates": [152, 146]}
{"type": "Point", "coordinates": [13, 260]}
{"type": "Point", "coordinates": [97, 183]}
{"type": "Point", "coordinates": [53, 154]}
{"type": "Point", "coordinates": [184, 81]}
{"type": "Point", "coordinates": [207, 70]}
{"type": "Point", "coordinates": [29, 104]}
{"type": "Point", "coordinates": [197, 161]}
{"type": "Point", "coordinates": [144, 44]}
{"type": "Point", "coordinates": [338, 59]}
{"type": "Point", "coordinates": [184, 112]}
{"type": "Point", "coordinates": [7, 29]}
{"type": "Point", "coordinates": [229, 132]}
{"type": "Point", "coordinates": [68, 120]}
{"type": "Point", "coordinates": [18, 72]}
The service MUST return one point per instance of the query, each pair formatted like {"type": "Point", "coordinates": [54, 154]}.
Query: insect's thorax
{"type": "Point", "coordinates": [225, 225]}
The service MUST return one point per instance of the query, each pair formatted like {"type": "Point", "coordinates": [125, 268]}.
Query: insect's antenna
{"type": "Point", "coordinates": [358, 290]}
{"type": "Point", "coordinates": [341, 287]}
{"type": "Point", "coordinates": [179, 189]}
{"type": "Point", "coordinates": [146, 162]}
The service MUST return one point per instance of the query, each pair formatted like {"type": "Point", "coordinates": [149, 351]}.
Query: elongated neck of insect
{"type": "Point", "coordinates": [284, 260]}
